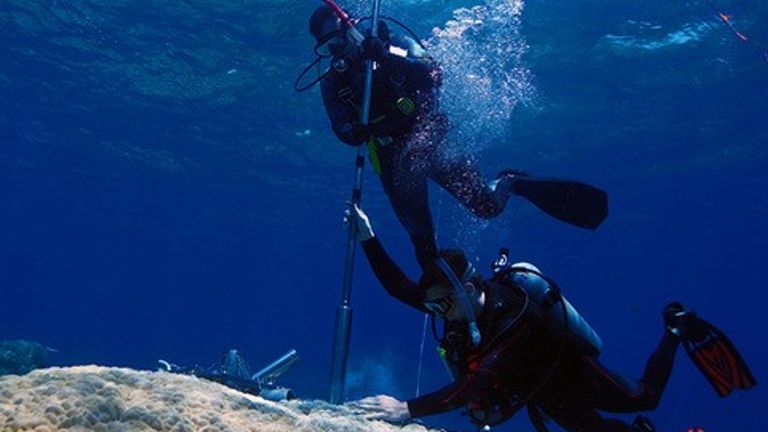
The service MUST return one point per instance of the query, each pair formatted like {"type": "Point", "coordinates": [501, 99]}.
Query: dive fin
{"type": "Point", "coordinates": [538, 418]}
{"type": "Point", "coordinates": [570, 201]}
{"type": "Point", "coordinates": [717, 359]}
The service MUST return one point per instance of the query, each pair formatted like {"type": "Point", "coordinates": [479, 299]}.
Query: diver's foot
{"type": "Point", "coordinates": [507, 178]}
{"type": "Point", "coordinates": [642, 424]}
{"type": "Point", "coordinates": [683, 323]}
{"type": "Point", "coordinates": [511, 173]}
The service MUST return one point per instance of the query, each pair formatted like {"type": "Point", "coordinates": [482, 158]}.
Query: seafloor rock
{"type": "Point", "coordinates": [93, 398]}
{"type": "Point", "coordinates": [20, 356]}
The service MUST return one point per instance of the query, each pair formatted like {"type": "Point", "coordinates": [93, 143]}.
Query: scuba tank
{"type": "Point", "coordinates": [544, 292]}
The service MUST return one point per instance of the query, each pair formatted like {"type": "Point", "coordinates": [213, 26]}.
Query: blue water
{"type": "Point", "coordinates": [166, 194]}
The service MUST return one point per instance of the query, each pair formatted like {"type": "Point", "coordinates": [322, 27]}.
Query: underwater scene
{"type": "Point", "coordinates": [384, 215]}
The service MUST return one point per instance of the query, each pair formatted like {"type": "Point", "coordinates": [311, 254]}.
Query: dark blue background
{"type": "Point", "coordinates": [166, 194]}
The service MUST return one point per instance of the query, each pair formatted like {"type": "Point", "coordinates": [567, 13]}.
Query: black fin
{"type": "Point", "coordinates": [570, 201]}
{"type": "Point", "coordinates": [642, 424]}
{"type": "Point", "coordinates": [718, 359]}
{"type": "Point", "coordinates": [537, 417]}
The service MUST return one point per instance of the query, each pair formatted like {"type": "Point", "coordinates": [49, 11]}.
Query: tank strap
{"type": "Point", "coordinates": [501, 277]}
{"type": "Point", "coordinates": [552, 296]}
{"type": "Point", "coordinates": [347, 95]}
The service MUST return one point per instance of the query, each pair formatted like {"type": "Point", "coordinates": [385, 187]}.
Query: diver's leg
{"type": "Point", "coordinates": [659, 366]}
{"type": "Point", "coordinates": [578, 417]}
{"type": "Point", "coordinates": [460, 177]}
{"type": "Point", "coordinates": [611, 392]}
{"type": "Point", "coordinates": [405, 184]}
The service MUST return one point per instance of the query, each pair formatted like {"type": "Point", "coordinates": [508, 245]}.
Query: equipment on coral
{"type": "Point", "coordinates": [233, 371]}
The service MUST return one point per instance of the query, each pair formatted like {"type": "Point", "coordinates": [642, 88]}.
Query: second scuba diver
{"type": "Point", "coordinates": [513, 341]}
{"type": "Point", "coordinates": [405, 133]}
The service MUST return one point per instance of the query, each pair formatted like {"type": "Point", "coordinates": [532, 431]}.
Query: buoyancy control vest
{"type": "Point", "coordinates": [402, 93]}
{"type": "Point", "coordinates": [561, 317]}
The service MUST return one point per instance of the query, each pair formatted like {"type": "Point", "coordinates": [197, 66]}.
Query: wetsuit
{"type": "Point", "coordinates": [512, 361]}
{"type": "Point", "coordinates": [407, 138]}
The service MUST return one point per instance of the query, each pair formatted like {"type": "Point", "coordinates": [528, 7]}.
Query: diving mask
{"type": "Point", "coordinates": [332, 44]}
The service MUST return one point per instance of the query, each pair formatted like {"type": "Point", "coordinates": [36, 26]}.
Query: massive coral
{"type": "Point", "coordinates": [20, 356]}
{"type": "Point", "coordinates": [93, 398]}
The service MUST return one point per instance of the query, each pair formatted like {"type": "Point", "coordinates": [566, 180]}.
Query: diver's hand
{"type": "Point", "coordinates": [385, 408]}
{"type": "Point", "coordinates": [375, 49]}
{"type": "Point", "coordinates": [362, 223]}
{"type": "Point", "coordinates": [356, 133]}
{"type": "Point", "coordinates": [361, 132]}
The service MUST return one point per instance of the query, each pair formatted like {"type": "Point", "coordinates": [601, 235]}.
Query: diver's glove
{"type": "Point", "coordinates": [375, 49]}
{"type": "Point", "coordinates": [384, 408]}
{"type": "Point", "coordinates": [363, 225]}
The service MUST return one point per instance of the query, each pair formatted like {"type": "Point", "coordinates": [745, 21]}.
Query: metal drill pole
{"type": "Point", "coordinates": [344, 311]}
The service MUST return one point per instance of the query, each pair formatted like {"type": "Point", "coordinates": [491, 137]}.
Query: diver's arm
{"type": "Point", "coordinates": [449, 397]}
{"type": "Point", "coordinates": [343, 116]}
{"type": "Point", "coordinates": [459, 393]}
{"type": "Point", "coordinates": [424, 71]}
{"type": "Point", "coordinates": [390, 276]}
{"type": "Point", "coordinates": [420, 67]}
{"type": "Point", "coordinates": [473, 389]}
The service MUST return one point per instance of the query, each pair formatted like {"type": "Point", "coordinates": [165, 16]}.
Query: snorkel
{"type": "Point", "coordinates": [461, 294]}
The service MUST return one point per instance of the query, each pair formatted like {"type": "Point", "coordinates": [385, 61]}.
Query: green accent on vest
{"type": "Point", "coordinates": [406, 105]}
{"type": "Point", "coordinates": [442, 352]}
{"type": "Point", "coordinates": [373, 155]}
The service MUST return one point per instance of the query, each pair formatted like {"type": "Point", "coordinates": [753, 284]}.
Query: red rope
{"type": "Point", "coordinates": [726, 19]}
{"type": "Point", "coordinates": [339, 12]}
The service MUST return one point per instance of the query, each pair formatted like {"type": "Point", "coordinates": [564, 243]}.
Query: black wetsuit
{"type": "Point", "coordinates": [507, 368]}
{"type": "Point", "coordinates": [407, 141]}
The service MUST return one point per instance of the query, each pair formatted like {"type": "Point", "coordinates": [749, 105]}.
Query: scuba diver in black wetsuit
{"type": "Point", "coordinates": [513, 341]}
{"type": "Point", "coordinates": [405, 133]}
